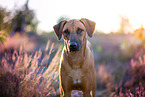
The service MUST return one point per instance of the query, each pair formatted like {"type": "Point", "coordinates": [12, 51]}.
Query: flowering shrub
{"type": "Point", "coordinates": [133, 84]}
{"type": "Point", "coordinates": [25, 74]}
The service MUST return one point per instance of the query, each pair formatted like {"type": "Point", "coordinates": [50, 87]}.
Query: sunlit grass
{"type": "Point", "coordinates": [26, 74]}
{"type": "Point", "coordinates": [30, 68]}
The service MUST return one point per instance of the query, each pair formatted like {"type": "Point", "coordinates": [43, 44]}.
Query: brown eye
{"type": "Point", "coordinates": [66, 32]}
{"type": "Point", "coordinates": [79, 31]}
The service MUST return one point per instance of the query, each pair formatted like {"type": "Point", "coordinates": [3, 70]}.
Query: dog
{"type": "Point", "coordinates": [77, 69]}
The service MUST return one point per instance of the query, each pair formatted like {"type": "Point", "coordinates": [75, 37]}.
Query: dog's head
{"type": "Point", "coordinates": [74, 32]}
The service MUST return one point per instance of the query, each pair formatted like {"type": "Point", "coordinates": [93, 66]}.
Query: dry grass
{"type": "Point", "coordinates": [26, 71]}
{"type": "Point", "coordinates": [27, 75]}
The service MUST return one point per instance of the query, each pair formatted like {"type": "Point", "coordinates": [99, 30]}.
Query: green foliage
{"type": "Point", "coordinates": [8, 19]}
{"type": "Point", "coordinates": [2, 37]}
{"type": "Point", "coordinates": [5, 20]}
{"type": "Point", "coordinates": [62, 18]}
{"type": "Point", "coordinates": [99, 49]}
{"type": "Point", "coordinates": [27, 15]}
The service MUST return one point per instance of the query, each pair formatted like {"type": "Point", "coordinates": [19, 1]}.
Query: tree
{"type": "Point", "coordinates": [21, 20]}
{"type": "Point", "coordinates": [24, 20]}
{"type": "Point", "coordinates": [62, 18]}
{"type": "Point", "coordinates": [5, 20]}
{"type": "Point", "coordinates": [125, 26]}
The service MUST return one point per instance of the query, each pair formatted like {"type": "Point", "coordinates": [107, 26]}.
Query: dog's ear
{"type": "Point", "coordinates": [58, 29]}
{"type": "Point", "coordinates": [90, 26]}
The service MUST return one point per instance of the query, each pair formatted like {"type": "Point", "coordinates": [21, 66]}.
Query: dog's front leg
{"type": "Point", "coordinates": [67, 94]}
{"type": "Point", "coordinates": [65, 82]}
{"type": "Point", "coordinates": [66, 86]}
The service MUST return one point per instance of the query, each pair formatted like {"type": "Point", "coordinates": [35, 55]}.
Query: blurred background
{"type": "Point", "coordinates": [30, 51]}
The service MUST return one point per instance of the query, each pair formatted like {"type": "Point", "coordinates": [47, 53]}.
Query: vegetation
{"type": "Point", "coordinates": [29, 64]}
{"type": "Point", "coordinates": [6, 20]}
{"type": "Point", "coordinates": [32, 69]}
{"type": "Point", "coordinates": [62, 18]}
{"type": "Point", "coordinates": [19, 19]}
{"type": "Point", "coordinates": [2, 37]}
{"type": "Point", "coordinates": [24, 74]}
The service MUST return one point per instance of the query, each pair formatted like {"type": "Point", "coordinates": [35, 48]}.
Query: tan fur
{"type": "Point", "coordinates": [77, 71]}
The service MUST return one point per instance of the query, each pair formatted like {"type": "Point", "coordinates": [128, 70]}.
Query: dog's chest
{"type": "Point", "coordinates": [76, 62]}
{"type": "Point", "coordinates": [76, 76]}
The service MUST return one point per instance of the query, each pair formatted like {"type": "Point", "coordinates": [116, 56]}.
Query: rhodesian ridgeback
{"type": "Point", "coordinates": [77, 70]}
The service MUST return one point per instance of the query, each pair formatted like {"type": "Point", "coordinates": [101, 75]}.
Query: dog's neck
{"type": "Point", "coordinates": [76, 59]}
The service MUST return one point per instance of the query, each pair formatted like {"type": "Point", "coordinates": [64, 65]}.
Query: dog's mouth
{"type": "Point", "coordinates": [73, 49]}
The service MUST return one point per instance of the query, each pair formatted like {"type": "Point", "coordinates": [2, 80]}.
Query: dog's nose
{"type": "Point", "coordinates": [73, 46]}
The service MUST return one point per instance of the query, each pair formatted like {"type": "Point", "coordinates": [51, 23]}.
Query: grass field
{"type": "Point", "coordinates": [29, 66]}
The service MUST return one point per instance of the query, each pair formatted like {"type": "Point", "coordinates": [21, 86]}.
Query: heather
{"type": "Point", "coordinates": [29, 66]}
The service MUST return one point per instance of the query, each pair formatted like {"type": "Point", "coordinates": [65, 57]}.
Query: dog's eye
{"type": "Point", "coordinates": [79, 31]}
{"type": "Point", "coordinates": [66, 32]}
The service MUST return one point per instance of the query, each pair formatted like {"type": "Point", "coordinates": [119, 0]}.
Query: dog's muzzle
{"type": "Point", "coordinates": [73, 46]}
